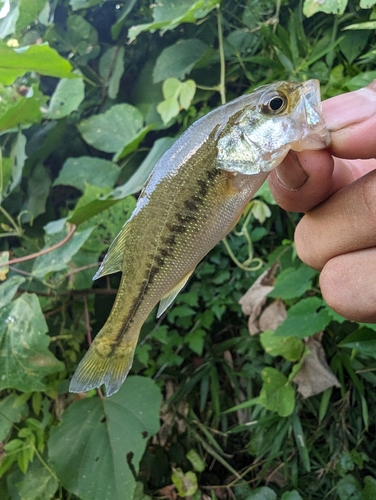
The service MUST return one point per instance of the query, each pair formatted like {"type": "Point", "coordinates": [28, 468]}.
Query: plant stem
{"type": "Point", "coordinates": [222, 86]}
{"type": "Point", "coordinates": [41, 252]}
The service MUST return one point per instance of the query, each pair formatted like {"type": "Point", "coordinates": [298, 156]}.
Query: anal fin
{"type": "Point", "coordinates": [170, 297]}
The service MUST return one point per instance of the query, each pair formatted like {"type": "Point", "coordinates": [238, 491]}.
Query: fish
{"type": "Point", "coordinates": [192, 199]}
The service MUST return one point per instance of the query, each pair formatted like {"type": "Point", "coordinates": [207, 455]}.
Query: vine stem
{"type": "Point", "coordinates": [42, 252]}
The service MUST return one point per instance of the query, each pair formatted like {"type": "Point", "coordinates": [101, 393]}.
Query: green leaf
{"type": "Point", "coordinates": [94, 200]}
{"type": "Point", "coordinates": [67, 97]}
{"type": "Point", "coordinates": [367, 4]}
{"type": "Point", "coordinates": [16, 109]}
{"type": "Point", "coordinates": [29, 12]}
{"type": "Point", "coordinates": [10, 413]}
{"type": "Point", "coordinates": [24, 356]}
{"type": "Point", "coordinates": [78, 172]}
{"type": "Point", "coordinates": [311, 7]}
{"type": "Point", "coordinates": [369, 25]}
{"type": "Point", "coordinates": [37, 484]}
{"type": "Point", "coordinates": [101, 441]}
{"type": "Point", "coordinates": [197, 462]}
{"type": "Point", "coordinates": [38, 189]}
{"type": "Point", "coordinates": [168, 109]}
{"type": "Point", "coordinates": [83, 4]}
{"type": "Point", "coordinates": [8, 289]}
{"type": "Point", "coordinates": [363, 340]}
{"type": "Point", "coordinates": [186, 483]}
{"type": "Point", "coordinates": [291, 348]}
{"type": "Point", "coordinates": [369, 491]}
{"type": "Point", "coordinates": [113, 130]}
{"type": "Point", "coordinates": [108, 224]}
{"type": "Point", "coordinates": [349, 488]}
{"type": "Point", "coordinates": [187, 93]}
{"type": "Point", "coordinates": [39, 58]}
{"type": "Point", "coordinates": [58, 259]}
{"type": "Point", "coordinates": [291, 495]}
{"type": "Point", "coordinates": [178, 60]}
{"type": "Point", "coordinates": [138, 179]}
{"type": "Point", "coordinates": [262, 493]}
{"type": "Point", "coordinates": [8, 22]}
{"type": "Point", "coordinates": [169, 14]}
{"type": "Point", "coordinates": [276, 393]}
{"type": "Point", "coordinates": [139, 492]}
{"type": "Point", "coordinates": [361, 80]}
{"type": "Point", "coordinates": [116, 28]}
{"type": "Point", "coordinates": [305, 318]}
{"type": "Point", "coordinates": [111, 68]}
{"type": "Point", "coordinates": [292, 283]}
{"type": "Point", "coordinates": [83, 39]}
{"type": "Point", "coordinates": [300, 442]}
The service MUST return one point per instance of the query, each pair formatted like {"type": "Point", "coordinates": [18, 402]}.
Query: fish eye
{"type": "Point", "coordinates": [273, 104]}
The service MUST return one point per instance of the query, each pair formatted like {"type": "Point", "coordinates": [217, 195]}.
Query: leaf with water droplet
{"type": "Point", "coordinates": [24, 355]}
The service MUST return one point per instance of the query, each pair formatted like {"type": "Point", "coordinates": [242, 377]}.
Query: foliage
{"type": "Point", "coordinates": [91, 95]}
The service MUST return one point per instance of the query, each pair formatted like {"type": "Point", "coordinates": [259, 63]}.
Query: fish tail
{"type": "Point", "coordinates": [103, 365]}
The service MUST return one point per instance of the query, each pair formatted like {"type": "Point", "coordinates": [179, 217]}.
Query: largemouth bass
{"type": "Point", "coordinates": [194, 196]}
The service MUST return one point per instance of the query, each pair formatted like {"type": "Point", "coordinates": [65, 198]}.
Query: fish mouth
{"type": "Point", "coordinates": [315, 135]}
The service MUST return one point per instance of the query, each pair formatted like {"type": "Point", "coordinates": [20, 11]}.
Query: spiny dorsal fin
{"type": "Point", "coordinates": [113, 260]}
{"type": "Point", "coordinates": [170, 297]}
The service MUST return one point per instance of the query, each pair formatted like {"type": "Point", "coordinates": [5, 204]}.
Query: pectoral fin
{"type": "Point", "coordinates": [170, 297]}
{"type": "Point", "coordinates": [112, 263]}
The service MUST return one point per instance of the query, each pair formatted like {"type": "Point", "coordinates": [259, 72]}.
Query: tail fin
{"type": "Point", "coordinates": [96, 369]}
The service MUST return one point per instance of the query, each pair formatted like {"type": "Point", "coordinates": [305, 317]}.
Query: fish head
{"type": "Point", "coordinates": [274, 119]}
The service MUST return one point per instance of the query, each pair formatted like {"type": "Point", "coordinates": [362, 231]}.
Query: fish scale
{"type": "Point", "coordinates": [194, 196]}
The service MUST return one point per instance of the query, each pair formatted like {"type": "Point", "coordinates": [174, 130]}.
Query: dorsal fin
{"type": "Point", "coordinates": [113, 260]}
{"type": "Point", "coordinates": [170, 297]}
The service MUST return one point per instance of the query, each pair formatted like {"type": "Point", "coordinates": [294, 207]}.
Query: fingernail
{"type": "Point", "coordinates": [290, 173]}
{"type": "Point", "coordinates": [348, 109]}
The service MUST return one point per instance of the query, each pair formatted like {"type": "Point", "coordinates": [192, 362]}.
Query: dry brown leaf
{"type": "Point", "coordinates": [169, 492]}
{"type": "Point", "coordinates": [272, 316]}
{"type": "Point", "coordinates": [315, 376]}
{"type": "Point", "coordinates": [254, 299]}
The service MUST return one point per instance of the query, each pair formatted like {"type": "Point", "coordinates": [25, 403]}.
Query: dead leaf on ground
{"type": "Point", "coordinates": [169, 492]}
{"type": "Point", "coordinates": [315, 376]}
{"type": "Point", "coordinates": [272, 316]}
{"type": "Point", "coordinates": [254, 299]}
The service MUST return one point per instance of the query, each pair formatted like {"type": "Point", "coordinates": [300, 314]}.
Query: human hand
{"type": "Point", "coordinates": [336, 189]}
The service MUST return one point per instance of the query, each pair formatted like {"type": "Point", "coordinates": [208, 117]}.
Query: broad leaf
{"type": "Point", "coordinates": [292, 283]}
{"type": "Point", "coordinates": [16, 109]}
{"type": "Point", "coordinates": [262, 493]}
{"type": "Point", "coordinates": [178, 60]}
{"type": "Point", "coordinates": [291, 348]}
{"type": "Point", "coordinates": [138, 179]}
{"type": "Point", "coordinates": [11, 412]}
{"type": "Point", "coordinates": [78, 172]}
{"type": "Point", "coordinates": [58, 259]}
{"type": "Point", "coordinates": [39, 58]}
{"type": "Point", "coordinates": [310, 7]}
{"type": "Point", "coordinates": [101, 441]}
{"type": "Point", "coordinates": [29, 12]}
{"type": "Point", "coordinates": [38, 483]}
{"type": "Point", "coordinates": [111, 69]}
{"type": "Point", "coordinates": [67, 97]}
{"type": "Point", "coordinates": [24, 356]}
{"type": "Point", "coordinates": [306, 317]}
{"type": "Point", "coordinates": [38, 189]}
{"type": "Point", "coordinates": [83, 4]}
{"type": "Point", "coordinates": [8, 289]}
{"type": "Point", "coordinates": [169, 14]}
{"type": "Point", "coordinates": [113, 130]}
{"type": "Point", "coordinates": [276, 393]}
